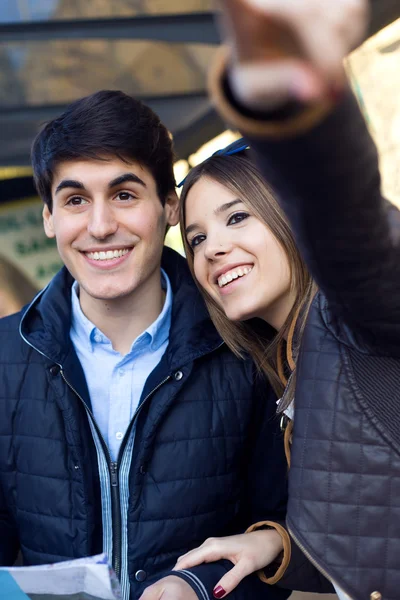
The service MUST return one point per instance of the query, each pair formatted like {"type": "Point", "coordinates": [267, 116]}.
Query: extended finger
{"type": "Point", "coordinates": [328, 35]}
{"type": "Point", "coordinates": [325, 51]}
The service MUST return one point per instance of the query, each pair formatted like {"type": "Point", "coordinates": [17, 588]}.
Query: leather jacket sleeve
{"type": "Point", "coordinates": [302, 575]}
{"type": "Point", "coordinates": [329, 186]}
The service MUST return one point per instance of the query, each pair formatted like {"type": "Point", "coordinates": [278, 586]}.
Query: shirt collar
{"type": "Point", "coordinates": [157, 333]}
{"type": "Point", "coordinates": [159, 330]}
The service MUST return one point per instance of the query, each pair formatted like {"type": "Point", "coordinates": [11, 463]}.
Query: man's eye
{"type": "Point", "coordinates": [124, 196]}
{"type": "Point", "coordinates": [77, 201]}
{"type": "Point", "coordinates": [237, 218]}
{"type": "Point", "coordinates": [196, 240]}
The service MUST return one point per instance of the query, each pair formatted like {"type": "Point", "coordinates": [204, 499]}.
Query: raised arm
{"type": "Point", "coordinates": [313, 145]}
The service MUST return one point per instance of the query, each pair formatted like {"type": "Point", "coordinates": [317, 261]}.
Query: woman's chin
{"type": "Point", "coordinates": [239, 314]}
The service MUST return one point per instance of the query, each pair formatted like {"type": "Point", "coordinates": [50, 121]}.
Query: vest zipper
{"type": "Point", "coordinates": [316, 565]}
{"type": "Point", "coordinates": [112, 465]}
{"type": "Point", "coordinates": [116, 518]}
{"type": "Point", "coordinates": [113, 471]}
{"type": "Point", "coordinates": [114, 474]}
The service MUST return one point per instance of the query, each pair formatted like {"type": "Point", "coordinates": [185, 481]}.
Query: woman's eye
{"type": "Point", "coordinates": [237, 218]}
{"type": "Point", "coordinates": [124, 196]}
{"type": "Point", "coordinates": [77, 201]}
{"type": "Point", "coordinates": [196, 240]}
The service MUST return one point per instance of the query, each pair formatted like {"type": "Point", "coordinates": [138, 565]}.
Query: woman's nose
{"type": "Point", "coordinates": [216, 246]}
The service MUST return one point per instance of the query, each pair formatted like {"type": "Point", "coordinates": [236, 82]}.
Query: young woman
{"type": "Point", "coordinates": [332, 355]}
{"type": "Point", "coordinates": [257, 288]}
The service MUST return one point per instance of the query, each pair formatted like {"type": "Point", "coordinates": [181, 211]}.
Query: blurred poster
{"type": "Point", "coordinates": [374, 72]}
{"type": "Point", "coordinates": [24, 242]}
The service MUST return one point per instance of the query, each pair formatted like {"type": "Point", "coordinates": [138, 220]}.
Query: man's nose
{"type": "Point", "coordinates": [102, 221]}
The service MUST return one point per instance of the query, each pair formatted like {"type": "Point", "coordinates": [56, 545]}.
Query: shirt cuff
{"type": "Point", "coordinates": [195, 583]}
{"type": "Point", "coordinates": [253, 125]}
{"type": "Point", "coordinates": [267, 575]}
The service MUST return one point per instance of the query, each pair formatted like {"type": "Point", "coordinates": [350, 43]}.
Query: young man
{"type": "Point", "coordinates": [126, 425]}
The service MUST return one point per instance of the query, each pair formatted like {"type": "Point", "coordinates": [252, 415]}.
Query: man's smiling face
{"type": "Point", "coordinates": [109, 224]}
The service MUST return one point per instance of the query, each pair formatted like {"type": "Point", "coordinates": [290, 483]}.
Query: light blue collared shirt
{"type": "Point", "coordinates": [116, 382]}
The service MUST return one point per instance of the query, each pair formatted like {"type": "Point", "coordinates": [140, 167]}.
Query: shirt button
{"type": "Point", "coordinates": [121, 372]}
{"type": "Point", "coordinates": [97, 338]}
{"type": "Point", "coordinates": [140, 575]}
{"type": "Point", "coordinates": [119, 435]}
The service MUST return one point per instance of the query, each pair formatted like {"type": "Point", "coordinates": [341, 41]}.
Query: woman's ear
{"type": "Point", "coordinates": [48, 222]}
{"type": "Point", "coordinates": [171, 208]}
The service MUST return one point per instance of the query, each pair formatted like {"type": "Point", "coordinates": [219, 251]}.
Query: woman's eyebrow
{"type": "Point", "coordinates": [217, 211]}
{"type": "Point", "coordinates": [191, 228]}
{"type": "Point", "coordinates": [227, 206]}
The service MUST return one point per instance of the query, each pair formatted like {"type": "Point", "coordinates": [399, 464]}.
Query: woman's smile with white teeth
{"type": "Point", "coordinates": [107, 255]}
{"type": "Point", "coordinates": [234, 274]}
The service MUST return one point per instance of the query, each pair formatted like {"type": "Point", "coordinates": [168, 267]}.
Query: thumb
{"type": "Point", "coordinates": [153, 592]}
{"type": "Point", "coordinates": [232, 579]}
{"type": "Point", "coordinates": [268, 85]}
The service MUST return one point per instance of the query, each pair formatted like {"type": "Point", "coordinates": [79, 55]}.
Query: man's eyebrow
{"type": "Point", "coordinates": [69, 183]}
{"type": "Point", "coordinates": [124, 178]}
{"type": "Point", "coordinates": [217, 211]}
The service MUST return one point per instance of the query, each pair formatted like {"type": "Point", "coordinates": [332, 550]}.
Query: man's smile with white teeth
{"type": "Point", "coordinates": [107, 255]}
{"type": "Point", "coordinates": [234, 274]}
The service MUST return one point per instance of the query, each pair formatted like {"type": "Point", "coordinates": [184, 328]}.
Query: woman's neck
{"type": "Point", "coordinates": [277, 313]}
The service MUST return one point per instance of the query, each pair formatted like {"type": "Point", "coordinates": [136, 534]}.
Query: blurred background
{"type": "Point", "coordinates": [55, 51]}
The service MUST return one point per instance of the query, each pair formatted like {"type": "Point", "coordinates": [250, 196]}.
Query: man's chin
{"type": "Point", "coordinates": [111, 295]}
{"type": "Point", "coordinates": [104, 293]}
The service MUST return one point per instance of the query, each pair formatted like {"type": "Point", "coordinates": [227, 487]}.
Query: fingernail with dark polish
{"type": "Point", "coordinates": [219, 592]}
{"type": "Point", "coordinates": [335, 92]}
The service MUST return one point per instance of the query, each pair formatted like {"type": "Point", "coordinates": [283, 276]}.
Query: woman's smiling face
{"type": "Point", "coordinates": [237, 259]}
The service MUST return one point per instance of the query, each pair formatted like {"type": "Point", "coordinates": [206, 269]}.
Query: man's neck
{"type": "Point", "coordinates": [122, 320]}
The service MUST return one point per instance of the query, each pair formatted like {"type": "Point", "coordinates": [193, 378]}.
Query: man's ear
{"type": "Point", "coordinates": [171, 208]}
{"type": "Point", "coordinates": [48, 222]}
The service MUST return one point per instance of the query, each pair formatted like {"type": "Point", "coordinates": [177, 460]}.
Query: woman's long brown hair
{"type": "Point", "coordinates": [239, 174]}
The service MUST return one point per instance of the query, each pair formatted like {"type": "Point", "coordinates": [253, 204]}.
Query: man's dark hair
{"type": "Point", "coordinates": [105, 124]}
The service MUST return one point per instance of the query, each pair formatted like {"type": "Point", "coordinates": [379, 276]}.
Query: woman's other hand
{"type": "Point", "coordinates": [290, 49]}
{"type": "Point", "coordinates": [248, 552]}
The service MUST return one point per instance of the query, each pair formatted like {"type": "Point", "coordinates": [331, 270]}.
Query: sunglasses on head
{"type": "Point", "coordinates": [235, 148]}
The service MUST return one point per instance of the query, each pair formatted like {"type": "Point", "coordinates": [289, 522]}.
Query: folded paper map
{"type": "Point", "coordinates": [83, 579]}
